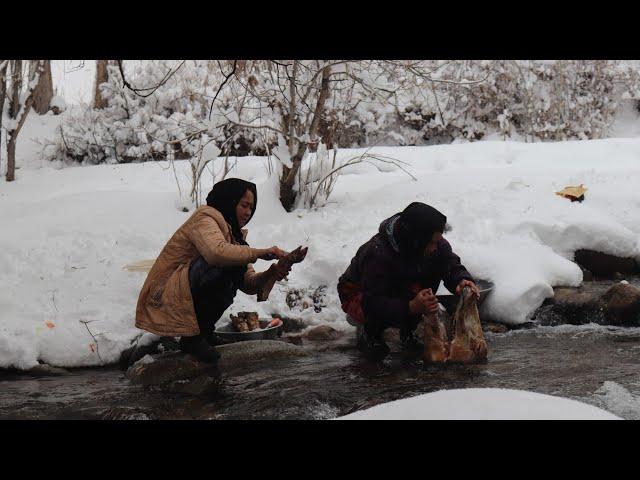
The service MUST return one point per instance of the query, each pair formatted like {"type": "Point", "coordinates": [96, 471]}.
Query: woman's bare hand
{"type": "Point", "coordinates": [424, 302]}
{"type": "Point", "coordinates": [280, 270]}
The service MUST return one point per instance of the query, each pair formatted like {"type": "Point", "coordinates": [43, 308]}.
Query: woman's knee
{"type": "Point", "coordinates": [203, 275]}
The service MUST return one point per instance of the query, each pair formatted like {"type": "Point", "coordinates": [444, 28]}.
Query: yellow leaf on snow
{"type": "Point", "coordinates": [572, 191]}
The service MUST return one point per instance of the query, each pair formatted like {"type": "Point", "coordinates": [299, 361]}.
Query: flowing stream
{"type": "Point", "coordinates": [596, 364]}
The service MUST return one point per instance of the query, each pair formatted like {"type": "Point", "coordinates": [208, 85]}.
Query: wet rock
{"type": "Point", "coordinates": [603, 264]}
{"type": "Point", "coordinates": [294, 339]}
{"type": "Point", "coordinates": [494, 327]}
{"type": "Point", "coordinates": [524, 326]}
{"type": "Point", "coordinates": [46, 370]}
{"type": "Point", "coordinates": [291, 324]}
{"type": "Point", "coordinates": [126, 413]}
{"type": "Point", "coordinates": [134, 353]}
{"type": "Point", "coordinates": [548, 317]}
{"type": "Point", "coordinates": [257, 350]}
{"type": "Point", "coordinates": [322, 332]}
{"type": "Point", "coordinates": [575, 306]}
{"type": "Point", "coordinates": [592, 302]}
{"type": "Point", "coordinates": [587, 276]}
{"type": "Point", "coordinates": [621, 304]}
{"type": "Point", "coordinates": [164, 369]}
{"type": "Point", "coordinates": [177, 372]}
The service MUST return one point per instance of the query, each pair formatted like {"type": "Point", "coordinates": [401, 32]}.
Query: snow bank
{"type": "Point", "coordinates": [482, 404]}
{"type": "Point", "coordinates": [67, 233]}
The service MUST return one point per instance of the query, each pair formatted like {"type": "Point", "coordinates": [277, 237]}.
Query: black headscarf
{"type": "Point", "coordinates": [225, 196]}
{"type": "Point", "coordinates": [415, 227]}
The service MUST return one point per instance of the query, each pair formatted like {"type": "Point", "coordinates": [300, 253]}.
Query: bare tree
{"type": "Point", "coordinates": [19, 105]}
{"type": "Point", "coordinates": [297, 93]}
{"type": "Point", "coordinates": [43, 92]}
{"type": "Point", "coordinates": [102, 76]}
{"type": "Point", "coordinates": [306, 99]}
{"type": "Point", "coordinates": [4, 64]}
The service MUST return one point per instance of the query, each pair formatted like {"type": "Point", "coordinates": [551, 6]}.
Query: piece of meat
{"type": "Point", "coordinates": [251, 319]}
{"type": "Point", "coordinates": [239, 323]}
{"type": "Point", "coordinates": [468, 344]}
{"type": "Point", "coordinates": [295, 256]}
{"type": "Point", "coordinates": [436, 346]}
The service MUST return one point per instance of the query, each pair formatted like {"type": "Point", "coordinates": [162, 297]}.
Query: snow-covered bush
{"type": "Point", "coordinates": [166, 124]}
{"type": "Point", "coordinates": [440, 101]}
{"type": "Point", "coordinates": [368, 103]}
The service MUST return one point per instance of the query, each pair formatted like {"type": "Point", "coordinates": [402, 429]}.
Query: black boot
{"type": "Point", "coordinates": [199, 348]}
{"type": "Point", "coordinates": [371, 344]}
{"type": "Point", "coordinates": [214, 340]}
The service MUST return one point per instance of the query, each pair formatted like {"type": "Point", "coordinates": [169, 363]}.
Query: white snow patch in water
{"type": "Point", "coordinates": [482, 404]}
{"type": "Point", "coordinates": [617, 399]}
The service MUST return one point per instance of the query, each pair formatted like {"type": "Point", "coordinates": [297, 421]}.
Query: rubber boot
{"type": "Point", "coordinates": [199, 348]}
{"type": "Point", "coordinates": [371, 344]}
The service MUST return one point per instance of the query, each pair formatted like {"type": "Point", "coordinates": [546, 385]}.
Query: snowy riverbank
{"type": "Point", "coordinates": [68, 232]}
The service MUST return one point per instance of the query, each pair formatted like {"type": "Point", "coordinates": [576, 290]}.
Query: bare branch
{"type": "Point", "coordinates": [226, 79]}
{"type": "Point", "coordinates": [151, 90]}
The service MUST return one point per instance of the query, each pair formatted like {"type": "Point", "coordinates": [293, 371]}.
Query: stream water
{"type": "Point", "coordinates": [596, 364]}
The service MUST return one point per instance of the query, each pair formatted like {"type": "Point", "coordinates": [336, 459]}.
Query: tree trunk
{"type": "Point", "coordinates": [319, 111]}
{"type": "Point", "coordinates": [18, 111]}
{"type": "Point", "coordinates": [287, 194]}
{"type": "Point", "coordinates": [3, 94]}
{"type": "Point", "coordinates": [102, 76]}
{"type": "Point", "coordinates": [43, 92]}
{"type": "Point", "coordinates": [288, 178]}
{"type": "Point", "coordinates": [14, 107]}
{"type": "Point", "coordinates": [16, 86]}
{"type": "Point", "coordinates": [11, 158]}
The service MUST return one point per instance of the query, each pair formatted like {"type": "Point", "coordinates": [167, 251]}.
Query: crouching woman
{"type": "Point", "coordinates": [393, 278]}
{"type": "Point", "coordinates": [198, 272]}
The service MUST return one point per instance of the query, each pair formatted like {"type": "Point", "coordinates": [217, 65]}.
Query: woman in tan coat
{"type": "Point", "coordinates": [198, 272]}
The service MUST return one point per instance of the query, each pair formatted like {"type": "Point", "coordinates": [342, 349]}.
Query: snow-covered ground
{"type": "Point", "coordinates": [482, 404]}
{"type": "Point", "coordinates": [67, 232]}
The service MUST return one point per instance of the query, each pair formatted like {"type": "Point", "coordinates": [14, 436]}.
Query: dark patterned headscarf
{"type": "Point", "coordinates": [416, 225]}
{"type": "Point", "coordinates": [225, 196]}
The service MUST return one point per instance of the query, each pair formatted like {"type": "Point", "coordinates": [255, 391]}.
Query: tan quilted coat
{"type": "Point", "coordinates": [165, 306]}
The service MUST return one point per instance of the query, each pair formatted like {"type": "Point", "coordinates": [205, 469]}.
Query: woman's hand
{"type": "Point", "coordinates": [273, 253]}
{"type": "Point", "coordinates": [280, 270]}
{"type": "Point", "coordinates": [471, 285]}
{"type": "Point", "coordinates": [424, 302]}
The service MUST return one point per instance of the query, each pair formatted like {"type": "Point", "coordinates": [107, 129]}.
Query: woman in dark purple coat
{"type": "Point", "coordinates": [392, 280]}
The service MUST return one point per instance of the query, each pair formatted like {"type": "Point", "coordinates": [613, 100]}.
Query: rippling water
{"type": "Point", "coordinates": [595, 364]}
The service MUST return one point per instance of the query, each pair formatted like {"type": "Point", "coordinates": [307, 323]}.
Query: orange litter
{"type": "Point", "coordinates": [573, 193]}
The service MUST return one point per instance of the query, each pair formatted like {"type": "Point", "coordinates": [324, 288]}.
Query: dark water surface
{"type": "Point", "coordinates": [568, 361]}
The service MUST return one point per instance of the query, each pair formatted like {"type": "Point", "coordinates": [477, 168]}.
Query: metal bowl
{"type": "Point", "coordinates": [450, 301]}
{"type": "Point", "coordinates": [230, 334]}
